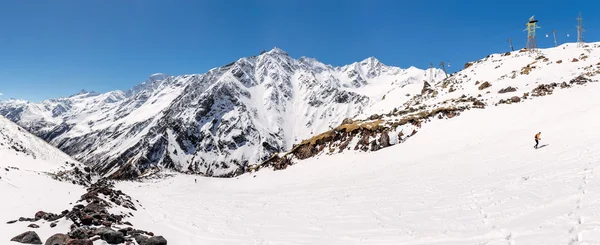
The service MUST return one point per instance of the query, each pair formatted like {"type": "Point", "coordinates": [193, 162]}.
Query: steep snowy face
{"type": "Point", "coordinates": [216, 123]}
{"type": "Point", "coordinates": [246, 111]}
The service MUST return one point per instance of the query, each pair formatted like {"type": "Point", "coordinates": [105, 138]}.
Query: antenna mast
{"type": "Point", "coordinates": [555, 43]}
{"type": "Point", "coordinates": [511, 46]}
{"type": "Point", "coordinates": [580, 31]}
{"type": "Point", "coordinates": [531, 26]}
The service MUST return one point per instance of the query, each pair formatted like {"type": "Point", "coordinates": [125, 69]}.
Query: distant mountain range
{"type": "Point", "coordinates": [219, 122]}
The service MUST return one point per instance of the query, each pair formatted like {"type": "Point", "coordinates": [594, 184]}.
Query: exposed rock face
{"type": "Point", "coordinates": [372, 135]}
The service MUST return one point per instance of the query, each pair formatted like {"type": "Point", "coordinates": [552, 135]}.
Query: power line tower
{"type": "Point", "coordinates": [580, 31]}
{"type": "Point", "coordinates": [531, 42]}
{"type": "Point", "coordinates": [444, 68]}
{"type": "Point", "coordinates": [554, 34]}
{"type": "Point", "coordinates": [511, 46]}
{"type": "Point", "coordinates": [430, 73]}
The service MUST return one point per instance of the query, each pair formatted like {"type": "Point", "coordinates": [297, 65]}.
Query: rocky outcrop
{"type": "Point", "coordinates": [369, 135]}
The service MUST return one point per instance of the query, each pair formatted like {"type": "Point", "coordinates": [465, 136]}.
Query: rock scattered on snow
{"type": "Point", "coordinates": [92, 221]}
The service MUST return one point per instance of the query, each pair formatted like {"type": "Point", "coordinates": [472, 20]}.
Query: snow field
{"type": "Point", "coordinates": [473, 179]}
{"type": "Point", "coordinates": [25, 192]}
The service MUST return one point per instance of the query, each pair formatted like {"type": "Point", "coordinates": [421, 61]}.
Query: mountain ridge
{"type": "Point", "coordinates": [214, 123]}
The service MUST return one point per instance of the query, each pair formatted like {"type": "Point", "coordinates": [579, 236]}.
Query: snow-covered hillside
{"type": "Point", "coordinates": [219, 122]}
{"type": "Point", "coordinates": [20, 148]}
{"type": "Point", "coordinates": [496, 80]}
{"type": "Point", "coordinates": [471, 179]}
{"type": "Point", "coordinates": [44, 197]}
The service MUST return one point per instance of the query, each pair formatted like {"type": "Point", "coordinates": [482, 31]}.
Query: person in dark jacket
{"type": "Point", "coordinates": [537, 139]}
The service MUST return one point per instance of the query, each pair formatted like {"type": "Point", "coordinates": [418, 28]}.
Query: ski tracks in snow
{"type": "Point", "coordinates": [578, 213]}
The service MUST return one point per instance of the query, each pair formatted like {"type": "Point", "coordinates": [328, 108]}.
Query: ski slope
{"type": "Point", "coordinates": [472, 179]}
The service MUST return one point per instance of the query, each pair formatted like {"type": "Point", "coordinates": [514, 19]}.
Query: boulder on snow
{"type": "Point", "coordinates": [33, 226]}
{"type": "Point", "coordinates": [515, 99]}
{"type": "Point", "coordinates": [86, 220]}
{"type": "Point", "coordinates": [141, 239]}
{"type": "Point", "coordinates": [102, 230]}
{"type": "Point", "coordinates": [468, 64]}
{"type": "Point", "coordinates": [484, 85]}
{"type": "Point", "coordinates": [507, 90]}
{"type": "Point", "coordinates": [113, 237]}
{"type": "Point", "coordinates": [155, 240]}
{"type": "Point", "coordinates": [11, 222]}
{"type": "Point", "coordinates": [78, 233]}
{"type": "Point", "coordinates": [28, 237]}
{"type": "Point", "coordinates": [57, 239]}
{"type": "Point", "coordinates": [39, 215]}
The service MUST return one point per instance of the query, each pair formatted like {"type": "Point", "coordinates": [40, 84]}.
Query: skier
{"type": "Point", "coordinates": [537, 139]}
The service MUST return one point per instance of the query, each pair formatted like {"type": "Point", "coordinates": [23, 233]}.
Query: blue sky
{"type": "Point", "coordinates": [56, 48]}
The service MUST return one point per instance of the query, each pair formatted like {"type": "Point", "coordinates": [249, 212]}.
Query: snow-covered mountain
{"type": "Point", "coordinates": [496, 80]}
{"type": "Point", "coordinates": [219, 122]}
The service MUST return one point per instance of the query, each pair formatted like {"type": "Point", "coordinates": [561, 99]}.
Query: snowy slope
{"type": "Point", "coordinates": [496, 80]}
{"type": "Point", "coordinates": [26, 192]}
{"type": "Point", "coordinates": [522, 71]}
{"type": "Point", "coordinates": [43, 192]}
{"type": "Point", "coordinates": [21, 149]}
{"type": "Point", "coordinates": [219, 122]}
{"type": "Point", "coordinates": [28, 168]}
{"type": "Point", "coordinates": [472, 179]}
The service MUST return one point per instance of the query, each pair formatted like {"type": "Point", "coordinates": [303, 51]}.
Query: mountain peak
{"type": "Point", "coordinates": [277, 50]}
{"type": "Point", "coordinates": [83, 91]}
{"type": "Point", "coordinates": [370, 61]}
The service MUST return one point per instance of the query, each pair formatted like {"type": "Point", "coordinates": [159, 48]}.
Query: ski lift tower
{"type": "Point", "coordinates": [531, 26]}
{"type": "Point", "coordinates": [580, 43]}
